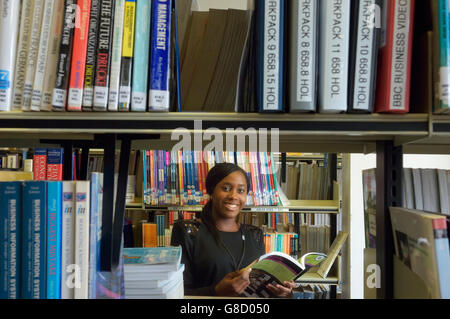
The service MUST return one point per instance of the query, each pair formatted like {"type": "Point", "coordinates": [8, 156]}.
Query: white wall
{"type": "Point", "coordinates": [358, 163]}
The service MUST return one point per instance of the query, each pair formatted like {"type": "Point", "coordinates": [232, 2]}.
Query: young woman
{"type": "Point", "coordinates": [217, 248]}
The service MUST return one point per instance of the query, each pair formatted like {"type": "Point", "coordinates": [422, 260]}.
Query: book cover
{"type": "Point", "coordinates": [363, 56]}
{"type": "Point", "coordinates": [79, 52]}
{"type": "Point", "coordinates": [68, 240]}
{"type": "Point", "coordinates": [82, 215]}
{"type": "Point", "coordinates": [40, 164]}
{"type": "Point", "coordinates": [9, 31]}
{"type": "Point", "coordinates": [33, 51]}
{"type": "Point", "coordinates": [334, 56]}
{"type": "Point", "coordinates": [52, 56]}
{"type": "Point", "coordinates": [161, 30]}
{"type": "Point", "coordinates": [103, 63]}
{"type": "Point", "coordinates": [141, 56]}
{"type": "Point", "coordinates": [394, 70]}
{"type": "Point", "coordinates": [10, 241]}
{"type": "Point", "coordinates": [421, 243]}
{"type": "Point", "coordinates": [64, 57]}
{"type": "Point", "coordinates": [149, 235]}
{"type": "Point", "coordinates": [26, 17]}
{"type": "Point", "coordinates": [127, 55]}
{"type": "Point", "coordinates": [269, 60]}
{"type": "Point", "coordinates": [55, 162]}
{"type": "Point", "coordinates": [91, 56]}
{"type": "Point", "coordinates": [303, 48]}
{"type": "Point", "coordinates": [34, 232]}
{"type": "Point", "coordinates": [168, 258]}
{"type": "Point", "coordinates": [54, 239]}
{"type": "Point", "coordinates": [116, 56]}
{"type": "Point", "coordinates": [42, 54]}
{"type": "Point", "coordinates": [277, 267]}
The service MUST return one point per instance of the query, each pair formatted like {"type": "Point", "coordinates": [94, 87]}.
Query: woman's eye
{"type": "Point", "coordinates": [226, 188]}
{"type": "Point", "coordinates": [241, 191]}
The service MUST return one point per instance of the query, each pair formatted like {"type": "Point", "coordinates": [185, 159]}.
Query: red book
{"type": "Point", "coordinates": [79, 52]}
{"type": "Point", "coordinates": [40, 164]}
{"type": "Point", "coordinates": [394, 58]}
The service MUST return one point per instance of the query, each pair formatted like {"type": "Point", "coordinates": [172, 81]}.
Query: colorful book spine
{"type": "Point", "coordinates": [127, 55]}
{"type": "Point", "coordinates": [78, 63]}
{"type": "Point", "coordinates": [54, 239]}
{"type": "Point", "coordinates": [10, 225]}
{"type": "Point", "coordinates": [103, 64]}
{"type": "Point", "coordinates": [55, 159]}
{"type": "Point", "coordinates": [334, 56]}
{"type": "Point", "coordinates": [89, 74]}
{"type": "Point", "coordinates": [34, 232]}
{"type": "Point", "coordinates": [159, 93]}
{"type": "Point", "coordinates": [141, 56]}
{"type": "Point", "coordinates": [82, 220]}
{"type": "Point", "coordinates": [441, 243]}
{"type": "Point", "coordinates": [9, 31]}
{"type": "Point", "coordinates": [444, 56]}
{"type": "Point", "coordinates": [40, 164]}
{"type": "Point", "coordinates": [52, 58]}
{"type": "Point", "coordinates": [394, 70]}
{"type": "Point", "coordinates": [116, 56]}
{"type": "Point", "coordinates": [64, 57]}
{"type": "Point", "coordinates": [68, 239]}
{"type": "Point", "coordinates": [269, 63]}
{"type": "Point", "coordinates": [33, 50]}
{"type": "Point", "coordinates": [41, 61]}
{"type": "Point", "coordinates": [26, 19]}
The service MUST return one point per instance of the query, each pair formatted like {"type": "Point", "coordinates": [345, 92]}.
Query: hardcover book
{"type": "Point", "coordinates": [68, 239]}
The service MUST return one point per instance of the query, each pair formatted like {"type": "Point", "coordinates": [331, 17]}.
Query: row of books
{"type": "Point", "coordinates": [85, 55]}
{"type": "Point", "coordinates": [50, 239]}
{"type": "Point", "coordinates": [422, 189]}
{"type": "Point", "coordinates": [179, 177]}
{"type": "Point", "coordinates": [310, 291]}
{"type": "Point", "coordinates": [282, 242]}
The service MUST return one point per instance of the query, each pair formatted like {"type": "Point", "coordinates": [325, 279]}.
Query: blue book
{"type": "Point", "coordinates": [34, 222]}
{"type": "Point", "coordinates": [168, 258]}
{"type": "Point", "coordinates": [95, 231]}
{"type": "Point", "coordinates": [196, 188]}
{"type": "Point", "coordinates": [141, 56]}
{"type": "Point", "coordinates": [444, 54]}
{"type": "Point", "coordinates": [54, 239]}
{"type": "Point", "coordinates": [10, 230]}
{"type": "Point", "coordinates": [269, 59]}
{"type": "Point", "coordinates": [159, 93]}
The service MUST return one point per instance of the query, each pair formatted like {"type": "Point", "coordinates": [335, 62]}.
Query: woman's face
{"type": "Point", "coordinates": [230, 195]}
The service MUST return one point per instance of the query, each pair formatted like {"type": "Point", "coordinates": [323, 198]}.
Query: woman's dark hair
{"type": "Point", "coordinates": [215, 175]}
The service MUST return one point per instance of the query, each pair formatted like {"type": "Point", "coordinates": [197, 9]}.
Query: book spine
{"type": "Point", "coordinates": [127, 55]}
{"type": "Point", "coordinates": [116, 56]}
{"type": "Point", "coordinates": [98, 230]}
{"type": "Point", "coordinates": [34, 222]}
{"type": "Point", "coordinates": [104, 55]}
{"type": "Point", "coordinates": [393, 82]}
{"type": "Point", "coordinates": [52, 58]}
{"type": "Point", "coordinates": [91, 53]}
{"type": "Point", "coordinates": [269, 65]}
{"type": "Point", "coordinates": [364, 52]}
{"type": "Point", "coordinates": [10, 225]}
{"type": "Point", "coordinates": [33, 51]}
{"type": "Point", "coordinates": [159, 92]}
{"type": "Point", "coordinates": [55, 159]}
{"type": "Point", "coordinates": [54, 233]}
{"type": "Point", "coordinates": [141, 56]}
{"type": "Point", "coordinates": [40, 164]}
{"type": "Point", "coordinates": [9, 31]}
{"type": "Point", "coordinates": [442, 249]}
{"type": "Point", "coordinates": [444, 51]}
{"type": "Point", "coordinates": [303, 50]}
{"type": "Point", "coordinates": [26, 19]}
{"type": "Point", "coordinates": [82, 238]}
{"type": "Point", "coordinates": [334, 56]}
{"type": "Point", "coordinates": [64, 56]}
{"type": "Point", "coordinates": [41, 60]}
{"type": "Point", "coordinates": [93, 235]}
{"type": "Point", "coordinates": [68, 238]}
{"type": "Point", "coordinates": [78, 63]}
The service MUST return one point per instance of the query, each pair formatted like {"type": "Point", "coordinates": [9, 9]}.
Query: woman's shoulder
{"type": "Point", "coordinates": [190, 226]}
{"type": "Point", "coordinates": [253, 230]}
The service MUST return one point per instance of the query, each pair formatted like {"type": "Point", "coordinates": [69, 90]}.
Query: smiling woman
{"type": "Point", "coordinates": [217, 248]}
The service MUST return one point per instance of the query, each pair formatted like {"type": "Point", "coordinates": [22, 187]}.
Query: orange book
{"type": "Point", "coordinates": [79, 52]}
{"type": "Point", "coordinates": [149, 235]}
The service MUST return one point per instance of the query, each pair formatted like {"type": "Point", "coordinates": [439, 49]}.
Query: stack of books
{"type": "Point", "coordinates": [153, 273]}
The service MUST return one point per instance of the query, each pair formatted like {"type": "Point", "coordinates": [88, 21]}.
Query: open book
{"type": "Point", "coordinates": [275, 268]}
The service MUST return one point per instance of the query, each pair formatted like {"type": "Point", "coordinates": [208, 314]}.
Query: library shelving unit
{"type": "Point", "coordinates": [388, 135]}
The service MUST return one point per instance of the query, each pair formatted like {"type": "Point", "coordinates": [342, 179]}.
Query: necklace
{"type": "Point", "coordinates": [236, 266]}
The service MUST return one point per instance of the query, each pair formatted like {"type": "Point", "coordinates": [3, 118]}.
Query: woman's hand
{"type": "Point", "coordinates": [233, 284]}
{"type": "Point", "coordinates": [282, 291]}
